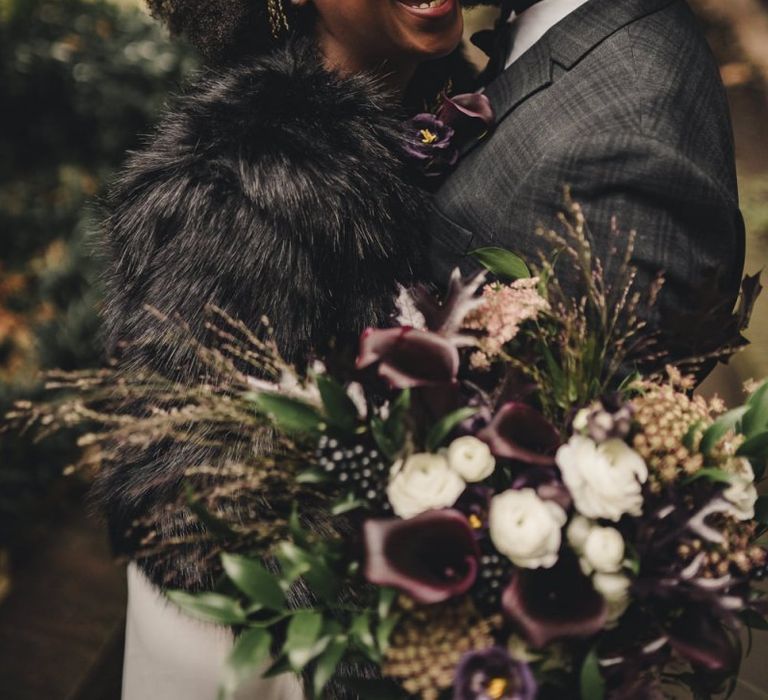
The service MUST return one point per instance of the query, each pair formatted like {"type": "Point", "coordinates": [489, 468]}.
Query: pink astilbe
{"type": "Point", "coordinates": [504, 309]}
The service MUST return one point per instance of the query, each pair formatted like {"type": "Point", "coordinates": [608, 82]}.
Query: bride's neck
{"type": "Point", "coordinates": [345, 60]}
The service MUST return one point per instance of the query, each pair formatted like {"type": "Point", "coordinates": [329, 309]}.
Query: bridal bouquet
{"type": "Point", "coordinates": [486, 506]}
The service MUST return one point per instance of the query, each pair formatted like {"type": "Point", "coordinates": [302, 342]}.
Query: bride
{"type": "Point", "coordinates": [275, 185]}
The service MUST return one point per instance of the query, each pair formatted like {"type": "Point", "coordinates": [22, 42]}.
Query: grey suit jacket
{"type": "Point", "coordinates": [622, 101]}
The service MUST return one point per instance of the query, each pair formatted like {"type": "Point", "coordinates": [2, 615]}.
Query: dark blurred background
{"type": "Point", "coordinates": [80, 82]}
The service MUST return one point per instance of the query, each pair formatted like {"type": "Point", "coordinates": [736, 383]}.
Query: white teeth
{"type": "Point", "coordinates": [429, 5]}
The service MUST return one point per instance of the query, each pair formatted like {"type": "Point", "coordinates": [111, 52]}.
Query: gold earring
{"type": "Point", "coordinates": [278, 20]}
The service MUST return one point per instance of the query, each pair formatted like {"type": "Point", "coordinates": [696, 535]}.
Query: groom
{"type": "Point", "coordinates": [622, 101]}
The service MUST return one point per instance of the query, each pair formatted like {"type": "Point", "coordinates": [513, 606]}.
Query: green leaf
{"type": "Point", "coordinates": [347, 505]}
{"type": "Point", "coordinates": [756, 419]}
{"type": "Point", "coordinates": [303, 642]}
{"type": "Point", "coordinates": [591, 680]}
{"type": "Point", "coordinates": [384, 632]}
{"type": "Point", "coordinates": [311, 476]}
{"type": "Point", "coordinates": [755, 621]}
{"type": "Point", "coordinates": [360, 631]}
{"type": "Point", "coordinates": [288, 414]}
{"type": "Point", "coordinates": [254, 580]}
{"type": "Point", "coordinates": [756, 446]}
{"type": "Point", "coordinates": [384, 442]}
{"type": "Point", "coordinates": [689, 438]}
{"type": "Point", "coordinates": [211, 607]}
{"type": "Point", "coordinates": [327, 663]}
{"type": "Point", "coordinates": [294, 562]}
{"type": "Point", "coordinates": [502, 262]}
{"type": "Point", "coordinates": [247, 658]}
{"type": "Point", "coordinates": [387, 597]}
{"type": "Point", "coordinates": [442, 429]}
{"type": "Point", "coordinates": [339, 408]}
{"type": "Point", "coordinates": [711, 473]}
{"type": "Point", "coordinates": [718, 430]}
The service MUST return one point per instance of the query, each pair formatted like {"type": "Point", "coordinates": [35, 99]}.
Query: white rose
{"type": "Point", "coordinates": [471, 459]}
{"type": "Point", "coordinates": [605, 480]}
{"type": "Point", "coordinates": [525, 528]}
{"type": "Point", "coordinates": [742, 493]}
{"type": "Point", "coordinates": [604, 550]}
{"type": "Point", "coordinates": [424, 482]}
{"type": "Point", "coordinates": [578, 530]}
{"type": "Point", "coordinates": [615, 589]}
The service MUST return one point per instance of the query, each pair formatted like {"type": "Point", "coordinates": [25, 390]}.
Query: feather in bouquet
{"type": "Point", "coordinates": [489, 505]}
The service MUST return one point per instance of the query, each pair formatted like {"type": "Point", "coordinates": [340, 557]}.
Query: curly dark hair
{"type": "Point", "coordinates": [226, 30]}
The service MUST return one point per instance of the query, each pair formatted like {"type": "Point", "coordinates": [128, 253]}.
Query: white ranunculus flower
{"type": "Point", "coordinates": [526, 528]}
{"type": "Point", "coordinates": [471, 459]}
{"type": "Point", "coordinates": [578, 530]}
{"type": "Point", "coordinates": [604, 550]}
{"type": "Point", "coordinates": [605, 480]}
{"type": "Point", "coordinates": [615, 589]}
{"type": "Point", "coordinates": [742, 493]}
{"type": "Point", "coordinates": [424, 482]}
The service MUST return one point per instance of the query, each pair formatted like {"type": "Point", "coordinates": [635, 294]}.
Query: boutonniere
{"type": "Point", "coordinates": [434, 140]}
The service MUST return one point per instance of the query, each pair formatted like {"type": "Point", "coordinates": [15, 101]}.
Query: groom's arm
{"type": "Point", "coordinates": [687, 220]}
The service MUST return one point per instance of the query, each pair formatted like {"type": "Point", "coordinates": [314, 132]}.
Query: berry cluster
{"type": "Point", "coordinates": [360, 470]}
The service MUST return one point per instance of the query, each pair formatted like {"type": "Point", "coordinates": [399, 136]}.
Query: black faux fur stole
{"type": "Point", "coordinates": [271, 188]}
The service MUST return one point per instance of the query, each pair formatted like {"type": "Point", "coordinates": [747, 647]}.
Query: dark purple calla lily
{"type": "Point", "coordinates": [493, 674]}
{"type": "Point", "coordinates": [409, 358]}
{"type": "Point", "coordinates": [520, 432]}
{"type": "Point", "coordinates": [549, 604]}
{"type": "Point", "coordinates": [701, 639]}
{"type": "Point", "coordinates": [432, 557]}
{"type": "Point", "coordinates": [469, 114]}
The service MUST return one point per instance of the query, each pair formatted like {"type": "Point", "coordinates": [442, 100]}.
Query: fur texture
{"type": "Point", "coordinates": [274, 187]}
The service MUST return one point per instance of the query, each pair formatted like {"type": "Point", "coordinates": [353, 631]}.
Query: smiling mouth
{"type": "Point", "coordinates": [431, 10]}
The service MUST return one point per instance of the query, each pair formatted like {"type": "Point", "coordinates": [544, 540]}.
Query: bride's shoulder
{"type": "Point", "coordinates": [286, 104]}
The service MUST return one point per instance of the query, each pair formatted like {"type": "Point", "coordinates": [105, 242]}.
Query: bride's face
{"type": "Point", "coordinates": [393, 30]}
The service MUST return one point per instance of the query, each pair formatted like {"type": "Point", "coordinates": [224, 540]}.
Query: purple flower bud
{"type": "Point", "coordinates": [429, 141]}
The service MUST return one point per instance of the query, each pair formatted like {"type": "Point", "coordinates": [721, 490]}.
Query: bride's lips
{"type": "Point", "coordinates": [432, 9]}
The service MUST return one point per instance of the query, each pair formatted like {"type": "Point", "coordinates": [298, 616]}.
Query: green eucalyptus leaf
{"type": "Point", "coordinates": [249, 654]}
{"type": "Point", "coordinates": [288, 414]}
{"type": "Point", "coordinates": [756, 419]}
{"type": "Point", "coordinates": [689, 439]}
{"type": "Point", "coordinates": [360, 631]}
{"type": "Point", "coordinates": [339, 408]}
{"type": "Point", "coordinates": [717, 431]}
{"type": "Point", "coordinates": [278, 668]}
{"type": "Point", "coordinates": [303, 642]}
{"type": "Point", "coordinates": [756, 446]}
{"type": "Point", "coordinates": [327, 663]}
{"type": "Point", "coordinates": [254, 580]}
{"type": "Point", "coordinates": [502, 262]}
{"type": "Point", "coordinates": [443, 428]}
{"type": "Point", "coordinates": [211, 607]}
{"type": "Point", "coordinates": [592, 682]}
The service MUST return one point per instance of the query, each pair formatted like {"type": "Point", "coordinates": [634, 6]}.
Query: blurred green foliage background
{"type": "Point", "coordinates": [80, 82]}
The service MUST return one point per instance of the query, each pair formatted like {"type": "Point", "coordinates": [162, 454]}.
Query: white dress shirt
{"type": "Point", "coordinates": [532, 24]}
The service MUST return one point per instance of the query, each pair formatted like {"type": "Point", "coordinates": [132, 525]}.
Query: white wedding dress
{"type": "Point", "coordinates": [170, 656]}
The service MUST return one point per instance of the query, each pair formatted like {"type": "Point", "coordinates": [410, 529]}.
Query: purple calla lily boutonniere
{"type": "Point", "coordinates": [433, 141]}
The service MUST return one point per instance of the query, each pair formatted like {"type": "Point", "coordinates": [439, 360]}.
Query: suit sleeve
{"type": "Point", "coordinates": [687, 223]}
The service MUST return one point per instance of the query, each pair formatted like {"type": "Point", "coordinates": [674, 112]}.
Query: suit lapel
{"type": "Point", "coordinates": [565, 44]}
